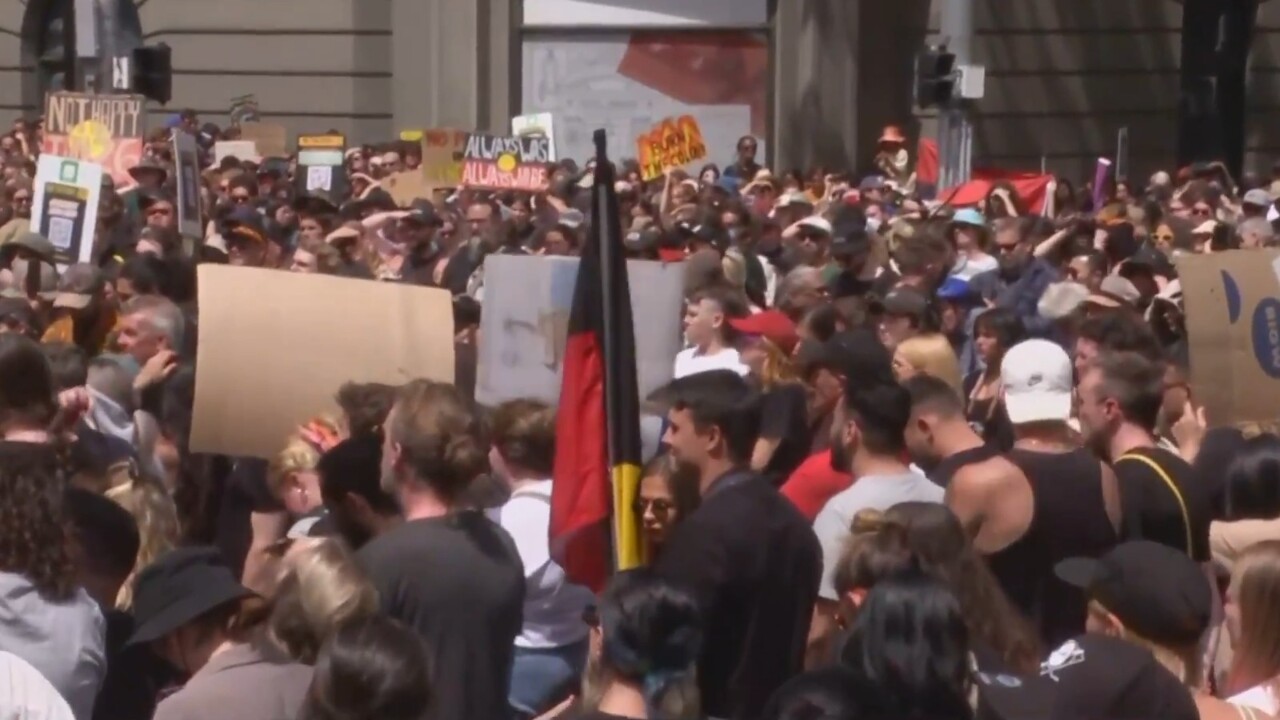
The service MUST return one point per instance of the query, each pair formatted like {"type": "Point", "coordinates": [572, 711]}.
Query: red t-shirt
{"type": "Point", "coordinates": [812, 484]}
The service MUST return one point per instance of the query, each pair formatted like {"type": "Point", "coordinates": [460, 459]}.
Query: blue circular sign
{"type": "Point", "coordinates": [1266, 336]}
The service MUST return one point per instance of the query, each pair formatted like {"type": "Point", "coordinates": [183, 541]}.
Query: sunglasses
{"type": "Point", "coordinates": [159, 211]}
{"type": "Point", "coordinates": [1201, 212]}
{"type": "Point", "coordinates": [240, 198]}
{"type": "Point", "coordinates": [1161, 237]}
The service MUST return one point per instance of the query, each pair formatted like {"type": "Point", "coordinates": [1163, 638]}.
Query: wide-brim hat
{"type": "Point", "coordinates": [148, 164]}
{"type": "Point", "coordinates": [179, 587]}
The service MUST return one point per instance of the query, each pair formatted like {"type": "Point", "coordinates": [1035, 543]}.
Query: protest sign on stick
{"type": "Point", "coordinates": [104, 129]}
{"type": "Point", "coordinates": [250, 408]}
{"type": "Point", "coordinates": [495, 162]}
{"type": "Point", "coordinates": [64, 206]}
{"type": "Point", "coordinates": [322, 167]}
{"type": "Point", "coordinates": [536, 125]}
{"type": "Point", "coordinates": [672, 143]}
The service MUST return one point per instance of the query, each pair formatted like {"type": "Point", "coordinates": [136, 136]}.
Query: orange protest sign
{"type": "Point", "coordinates": [674, 142]}
{"type": "Point", "coordinates": [442, 151]}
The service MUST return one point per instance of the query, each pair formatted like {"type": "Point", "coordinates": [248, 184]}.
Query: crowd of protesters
{"type": "Point", "coordinates": [917, 462]}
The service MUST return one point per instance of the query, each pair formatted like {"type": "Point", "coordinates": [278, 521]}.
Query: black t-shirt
{"type": "Point", "coordinates": [135, 676]}
{"type": "Point", "coordinates": [1151, 509]}
{"type": "Point", "coordinates": [458, 581]}
{"type": "Point", "coordinates": [988, 417]}
{"type": "Point", "coordinates": [785, 417]}
{"type": "Point", "coordinates": [754, 564]}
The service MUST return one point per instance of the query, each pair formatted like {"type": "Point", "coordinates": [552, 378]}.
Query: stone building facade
{"type": "Point", "coordinates": [816, 79]}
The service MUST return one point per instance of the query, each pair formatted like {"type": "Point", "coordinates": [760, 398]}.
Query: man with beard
{"type": "Point", "coordinates": [355, 503]}
{"type": "Point", "coordinates": [1021, 278]}
{"type": "Point", "coordinates": [19, 198]}
{"type": "Point", "coordinates": [1120, 397]}
{"type": "Point", "coordinates": [867, 441]}
{"type": "Point", "coordinates": [747, 555]}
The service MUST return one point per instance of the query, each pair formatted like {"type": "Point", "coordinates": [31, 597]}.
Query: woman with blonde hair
{"type": "Point", "coordinates": [928, 354]}
{"type": "Point", "coordinates": [1253, 621]}
{"type": "Point", "coordinates": [321, 589]}
{"type": "Point", "coordinates": [766, 342]}
{"type": "Point", "coordinates": [153, 509]}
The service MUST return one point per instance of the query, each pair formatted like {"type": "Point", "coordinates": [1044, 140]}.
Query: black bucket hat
{"type": "Point", "coordinates": [179, 587]}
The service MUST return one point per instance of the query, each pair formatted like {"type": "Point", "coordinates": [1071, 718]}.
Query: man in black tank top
{"type": "Point", "coordinates": [938, 437]}
{"type": "Point", "coordinates": [1059, 502]}
{"type": "Point", "coordinates": [1120, 396]}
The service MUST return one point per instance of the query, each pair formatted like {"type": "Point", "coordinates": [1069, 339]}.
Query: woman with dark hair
{"type": "Point", "coordinates": [830, 693]}
{"type": "Point", "coordinates": [667, 494]}
{"type": "Point", "coordinates": [372, 669]}
{"type": "Point", "coordinates": [994, 332]}
{"type": "Point", "coordinates": [709, 174]}
{"type": "Point", "coordinates": [1250, 497]}
{"type": "Point", "coordinates": [46, 618]}
{"type": "Point", "coordinates": [911, 643]}
{"type": "Point", "coordinates": [27, 400]}
{"type": "Point", "coordinates": [645, 644]}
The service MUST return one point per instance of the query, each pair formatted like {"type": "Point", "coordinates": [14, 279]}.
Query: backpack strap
{"type": "Point", "coordinates": [1173, 488]}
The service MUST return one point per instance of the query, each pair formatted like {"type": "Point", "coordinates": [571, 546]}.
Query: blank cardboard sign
{"type": "Point", "coordinates": [275, 346]}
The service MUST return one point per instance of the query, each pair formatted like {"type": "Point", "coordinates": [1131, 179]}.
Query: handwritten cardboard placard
{"type": "Point", "coordinates": [495, 162]}
{"type": "Point", "coordinates": [442, 150]}
{"type": "Point", "coordinates": [104, 129]}
{"type": "Point", "coordinates": [250, 408]}
{"type": "Point", "coordinates": [272, 139]}
{"type": "Point", "coordinates": [405, 187]}
{"type": "Point", "coordinates": [672, 143]}
{"type": "Point", "coordinates": [238, 149]}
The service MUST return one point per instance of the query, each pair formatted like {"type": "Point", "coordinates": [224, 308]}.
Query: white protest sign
{"type": "Point", "coordinates": [525, 323]}
{"type": "Point", "coordinates": [64, 206]}
{"type": "Point", "coordinates": [538, 124]}
{"type": "Point", "coordinates": [239, 149]}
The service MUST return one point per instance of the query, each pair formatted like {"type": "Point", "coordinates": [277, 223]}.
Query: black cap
{"type": "Point", "coordinates": [1156, 591]}
{"type": "Point", "coordinates": [706, 233]}
{"type": "Point", "coordinates": [849, 232]}
{"type": "Point", "coordinates": [1093, 677]}
{"type": "Point", "coordinates": [423, 213]}
{"type": "Point", "coordinates": [244, 222]}
{"type": "Point", "coordinates": [856, 354]}
{"type": "Point", "coordinates": [312, 204]}
{"type": "Point", "coordinates": [179, 587]}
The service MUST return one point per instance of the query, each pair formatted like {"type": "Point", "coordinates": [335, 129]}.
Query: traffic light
{"type": "Point", "coordinates": [935, 77]}
{"type": "Point", "coordinates": [153, 72]}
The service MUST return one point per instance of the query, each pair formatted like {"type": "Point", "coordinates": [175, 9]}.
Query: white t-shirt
{"type": "Point", "coordinates": [870, 492]}
{"type": "Point", "coordinates": [25, 694]}
{"type": "Point", "coordinates": [1259, 697]}
{"type": "Point", "coordinates": [552, 605]}
{"type": "Point", "coordinates": [690, 362]}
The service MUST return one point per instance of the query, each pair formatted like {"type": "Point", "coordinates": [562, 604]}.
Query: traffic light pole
{"type": "Point", "coordinates": [88, 58]}
{"type": "Point", "coordinates": [955, 132]}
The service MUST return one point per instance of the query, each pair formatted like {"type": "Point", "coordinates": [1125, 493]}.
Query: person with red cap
{"type": "Point", "coordinates": [767, 342]}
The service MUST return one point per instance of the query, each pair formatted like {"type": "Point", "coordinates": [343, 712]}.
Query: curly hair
{"type": "Point", "coordinates": [35, 540]}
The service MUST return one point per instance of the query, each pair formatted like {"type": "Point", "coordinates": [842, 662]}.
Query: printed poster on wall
{"type": "Point", "coordinates": [442, 152]}
{"type": "Point", "coordinates": [672, 143]}
{"type": "Point", "coordinates": [64, 206]}
{"type": "Point", "coordinates": [494, 162]}
{"type": "Point", "coordinates": [628, 82]}
{"type": "Point", "coordinates": [525, 324]}
{"type": "Point", "coordinates": [187, 157]}
{"type": "Point", "coordinates": [104, 129]}
{"type": "Point", "coordinates": [322, 169]}
{"type": "Point", "coordinates": [536, 125]}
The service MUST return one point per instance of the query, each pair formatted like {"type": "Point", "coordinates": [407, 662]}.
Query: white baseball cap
{"type": "Point", "coordinates": [1037, 378]}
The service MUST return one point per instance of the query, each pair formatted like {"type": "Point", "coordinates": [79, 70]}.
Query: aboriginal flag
{"type": "Point", "coordinates": [597, 469]}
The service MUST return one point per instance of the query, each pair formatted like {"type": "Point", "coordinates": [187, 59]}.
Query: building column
{"type": "Point", "coordinates": [450, 63]}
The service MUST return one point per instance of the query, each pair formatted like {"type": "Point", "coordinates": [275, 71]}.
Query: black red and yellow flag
{"type": "Point", "coordinates": [597, 469]}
